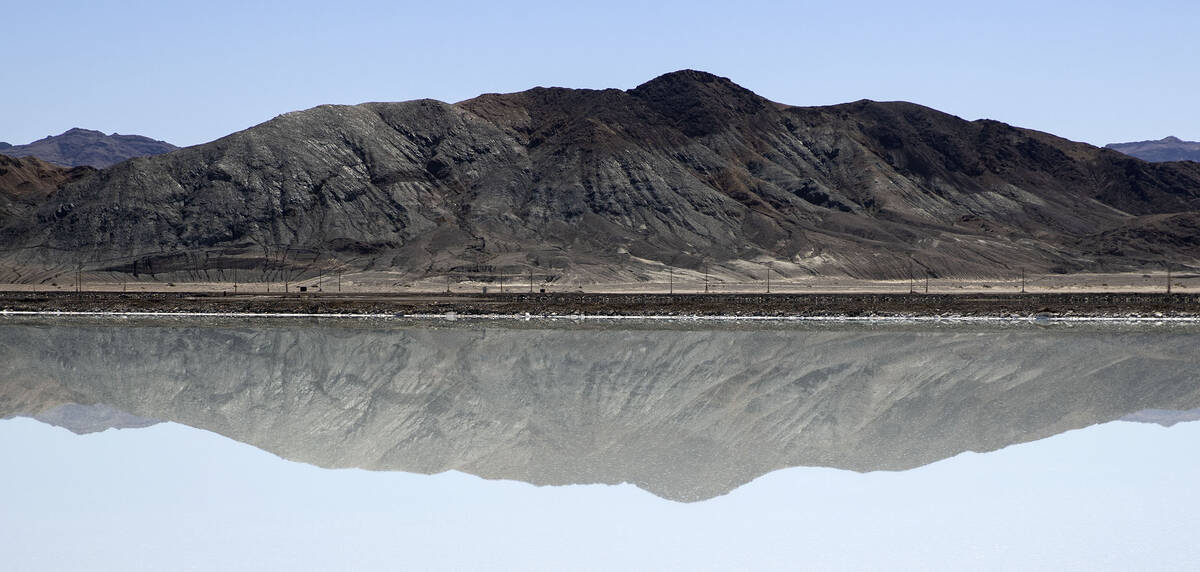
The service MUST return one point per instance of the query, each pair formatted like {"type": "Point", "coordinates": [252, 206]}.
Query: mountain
{"type": "Point", "coordinates": [1166, 149]}
{"type": "Point", "coordinates": [684, 414]}
{"type": "Point", "coordinates": [685, 170]}
{"type": "Point", "coordinates": [78, 147]}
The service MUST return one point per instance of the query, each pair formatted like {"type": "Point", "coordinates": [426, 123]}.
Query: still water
{"type": "Point", "coordinates": [208, 444]}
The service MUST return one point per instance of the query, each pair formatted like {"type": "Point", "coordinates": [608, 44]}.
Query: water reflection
{"type": "Point", "coordinates": [684, 414]}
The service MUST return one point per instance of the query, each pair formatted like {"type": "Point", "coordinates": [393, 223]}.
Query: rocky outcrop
{"type": "Point", "coordinates": [84, 147]}
{"type": "Point", "coordinates": [684, 414]}
{"type": "Point", "coordinates": [685, 171]}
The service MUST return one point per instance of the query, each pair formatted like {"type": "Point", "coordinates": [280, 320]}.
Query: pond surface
{"type": "Point", "coordinates": [227, 444]}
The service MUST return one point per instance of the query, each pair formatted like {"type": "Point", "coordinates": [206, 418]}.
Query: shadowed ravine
{"type": "Point", "coordinates": [684, 414]}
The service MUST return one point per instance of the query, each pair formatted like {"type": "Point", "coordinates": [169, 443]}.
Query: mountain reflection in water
{"type": "Point", "coordinates": [685, 414]}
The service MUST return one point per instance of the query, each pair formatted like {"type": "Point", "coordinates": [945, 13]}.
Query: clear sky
{"type": "Point", "coordinates": [187, 72]}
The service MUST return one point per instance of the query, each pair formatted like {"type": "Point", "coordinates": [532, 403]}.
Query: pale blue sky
{"type": "Point", "coordinates": [1097, 71]}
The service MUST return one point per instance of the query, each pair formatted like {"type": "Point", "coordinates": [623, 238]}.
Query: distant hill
{"type": "Point", "coordinates": [84, 419]}
{"type": "Point", "coordinates": [78, 147]}
{"type": "Point", "coordinates": [1164, 417]}
{"type": "Point", "coordinates": [1166, 149]}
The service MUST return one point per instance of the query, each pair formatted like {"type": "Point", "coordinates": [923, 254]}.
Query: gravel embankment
{"type": "Point", "coordinates": [617, 304]}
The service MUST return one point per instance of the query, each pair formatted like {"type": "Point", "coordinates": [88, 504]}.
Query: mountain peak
{"type": "Point", "coordinates": [81, 131]}
{"type": "Point", "coordinates": [1171, 139]}
{"type": "Point", "coordinates": [687, 76]}
{"type": "Point", "coordinates": [698, 103]}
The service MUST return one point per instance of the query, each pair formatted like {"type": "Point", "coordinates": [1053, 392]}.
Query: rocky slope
{"type": "Point", "coordinates": [684, 414]}
{"type": "Point", "coordinates": [85, 147]}
{"type": "Point", "coordinates": [1166, 149]}
{"type": "Point", "coordinates": [29, 182]}
{"type": "Point", "coordinates": [686, 170]}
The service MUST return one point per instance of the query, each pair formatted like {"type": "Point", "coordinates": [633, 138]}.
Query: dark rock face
{"type": "Point", "coordinates": [1166, 149]}
{"type": "Point", "coordinates": [685, 414]}
{"type": "Point", "coordinates": [79, 147]}
{"type": "Point", "coordinates": [611, 185]}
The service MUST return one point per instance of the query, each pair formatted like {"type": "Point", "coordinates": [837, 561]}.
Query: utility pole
{"type": "Point", "coordinates": [706, 278]}
{"type": "Point", "coordinates": [1022, 280]}
{"type": "Point", "coordinates": [317, 266]}
{"type": "Point", "coordinates": [531, 281]}
{"type": "Point", "coordinates": [768, 278]}
{"type": "Point", "coordinates": [926, 281]}
{"type": "Point", "coordinates": [912, 286]}
{"type": "Point", "coordinates": [447, 283]}
{"type": "Point", "coordinates": [670, 280]}
{"type": "Point", "coordinates": [1168, 278]}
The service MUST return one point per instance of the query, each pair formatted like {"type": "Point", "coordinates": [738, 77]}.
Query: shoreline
{"type": "Point", "coordinates": [1096, 306]}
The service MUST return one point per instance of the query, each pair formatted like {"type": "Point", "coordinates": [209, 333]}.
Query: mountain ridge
{"type": "Point", "coordinates": [685, 171]}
